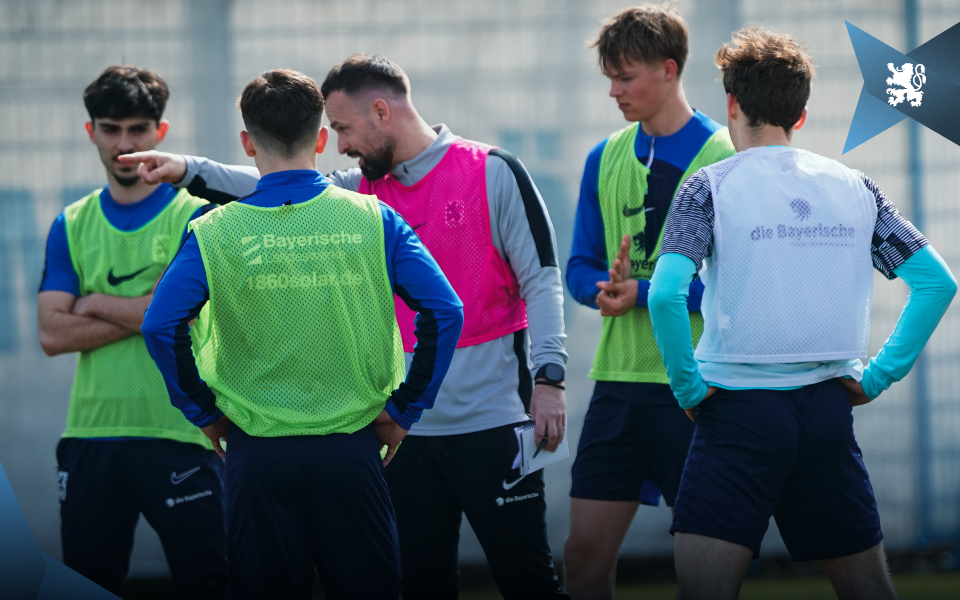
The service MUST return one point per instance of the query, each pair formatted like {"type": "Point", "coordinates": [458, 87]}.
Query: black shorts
{"type": "Point", "coordinates": [790, 454]}
{"type": "Point", "coordinates": [632, 451]}
{"type": "Point", "coordinates": [105, 485]}
{"type": "Point", "coordinates": [436, 480]}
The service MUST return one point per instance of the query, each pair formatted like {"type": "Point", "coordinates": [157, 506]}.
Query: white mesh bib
{"type": "Point", "coordinates": [790, 278]}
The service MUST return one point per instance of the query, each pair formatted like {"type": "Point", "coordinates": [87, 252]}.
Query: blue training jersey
{"type": "Point", "coordinates": [58, 271]}
{"type": "Point", "coordinates": [668, 158]}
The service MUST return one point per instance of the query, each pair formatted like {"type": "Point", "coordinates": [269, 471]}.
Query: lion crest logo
{"type": "Point", "coordinates": [910, 79]}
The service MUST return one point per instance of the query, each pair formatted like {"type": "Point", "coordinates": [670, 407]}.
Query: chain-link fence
{"type": "Point", "coordinates": [516, 74]}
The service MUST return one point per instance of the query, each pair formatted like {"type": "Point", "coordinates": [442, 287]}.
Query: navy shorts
{"type": "Point", "coordinates": [631, 451]}
{"type": "Point", "coordinates": [105, 485]}
{"type": "Point", "coordinates": [305, 502]}
{"type": "Point", "coordinates": [789, 454]}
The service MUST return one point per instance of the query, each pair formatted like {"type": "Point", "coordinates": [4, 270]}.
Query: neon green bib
{"type": "Point", "coordinates": [118, 390]}
{"type": "Point", "coordinates": [302, 335]}
{"type": "Point", "coordinates": [627, 350]}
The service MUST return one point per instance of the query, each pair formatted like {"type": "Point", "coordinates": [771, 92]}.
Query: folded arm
{"type": "Point", "coordinates": [126, 312]}
{"type": "Point", "coordinates": [63, 331]}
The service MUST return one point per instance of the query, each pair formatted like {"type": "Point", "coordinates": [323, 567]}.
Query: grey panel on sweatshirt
{"type": "Point", "coordinates": [234, 180]}
{"type": "Point", "coordinates": [480, 390]}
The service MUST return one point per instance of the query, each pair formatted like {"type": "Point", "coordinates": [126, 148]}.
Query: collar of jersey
{"type": "Point", "coordinates": [274, 182]}
{"type": "Point", "coordinates": [283, 206]}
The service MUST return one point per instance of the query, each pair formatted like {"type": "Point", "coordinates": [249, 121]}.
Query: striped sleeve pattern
{"type": "Point", "coordinates": [689, 228]}
{"type": "Point", "coordinates": [895, 239]}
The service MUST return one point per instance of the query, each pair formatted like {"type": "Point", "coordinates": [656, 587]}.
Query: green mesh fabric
{"type": "Point", "coordinates": [302, 338]}
{"type": "Point", "coordinates": [118, 390]}
{"type": "Point", "coordinates": [627, 350]}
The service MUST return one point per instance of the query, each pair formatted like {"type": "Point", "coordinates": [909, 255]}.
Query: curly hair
{"type": "Point", "coordinates": [124, 91]}
{"type": "Point", "coordinates": [769, 73]}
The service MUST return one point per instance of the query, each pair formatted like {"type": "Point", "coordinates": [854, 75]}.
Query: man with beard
{"type": "Point", "coordinates": [126, 450]}
{"type": "Point", "coordinates": [478, 212]}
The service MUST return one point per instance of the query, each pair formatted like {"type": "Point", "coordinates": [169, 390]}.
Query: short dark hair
{"type": "Point", "coordinates": [124, 91]}
{"type": "Point", "coordinates": [643, 34]}
{"type": "Point", "coordinates": [363, 72]}
{"type": "Point", "coordinates": [769, 74]}
{"type": "Point", "coordinates": [281, 110]}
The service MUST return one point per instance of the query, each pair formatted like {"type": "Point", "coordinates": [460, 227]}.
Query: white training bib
{"type": "Point", "coordinates": [791, 276]}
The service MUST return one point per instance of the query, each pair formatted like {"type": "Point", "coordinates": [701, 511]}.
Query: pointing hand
{"type": "Point", "coordinates": [157, 167]}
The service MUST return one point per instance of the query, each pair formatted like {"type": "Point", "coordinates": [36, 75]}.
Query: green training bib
{"type": "Point", "coordinates": [118, 390]}
{"type": "Point", "coordinates": [301, 338]}
{"type": "Point", "coordinates": [627, 350]}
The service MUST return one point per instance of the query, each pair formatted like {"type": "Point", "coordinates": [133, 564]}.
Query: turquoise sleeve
{"type": "Point", "coordinates": [667, 302]}
{"type": "Point", "coordinates": [932, 287]}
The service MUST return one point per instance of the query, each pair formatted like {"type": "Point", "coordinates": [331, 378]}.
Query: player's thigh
{"type": "Point", "coordinates": [610, 463]}
{"type": "Point", "coordinates": [179, 489]}
{"type": "Point", "coordinates": [666, 433]}
{"type": "Point", "coordinates": [428, 511]}
{"type": "Point", "coordinates": [597, 530]}
{"type": "Point", "coordinates": [744, 446]}
{"type": "Point", "coordinates": [506, 511]}
{"type": "Point", "coordinates": [861, 575]}
{"type": "Point", "coordinates": [827, 508]}
{"type": "Point", "coordinates": [355, 546]}
{"type": "Point", "coordinates": [98, 514]}
{"type": "Point", "coordinates": [269, 536]}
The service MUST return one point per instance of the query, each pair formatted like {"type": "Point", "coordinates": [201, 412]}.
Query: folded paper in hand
{"type": "Point", "coordinates": [526, 440]}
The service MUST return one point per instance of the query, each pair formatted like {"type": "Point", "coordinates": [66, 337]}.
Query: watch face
{"type": "Point", "coordinates": [553, 372]}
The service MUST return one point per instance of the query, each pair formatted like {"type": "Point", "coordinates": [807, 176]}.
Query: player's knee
{"type": "Point", "coordinates": [577, 553]}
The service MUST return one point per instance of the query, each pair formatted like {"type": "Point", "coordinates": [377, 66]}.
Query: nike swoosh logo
{"type": "Point", "coordinates": [114, 280]}
{"type": "Point", "coordinates": [630, 212]}
{"type": "Point", "coordinates": [507, 486]}
{"type": "Point", "coordinates": [418, 226]}
{"type": "Point", "coordinates": [176, 479]}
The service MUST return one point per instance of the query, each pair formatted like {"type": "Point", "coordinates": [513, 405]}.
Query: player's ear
{"type": "Point", "coordinates": [90, 129]}
{"type": "Point", "coordinates": [322, 137]}
{"type": "Point", "coordinates": [670, 69]}
{"type": "Point", "coordinates": [802, 121]}
{"type": "Point", "coordinates": [733, 107]}
{"type": "Point", "coordinates": [162, 128]}
{"type": "Point", "coordinates": [247, 144]}
{"type": "Point", "coordinates": [381, 111]}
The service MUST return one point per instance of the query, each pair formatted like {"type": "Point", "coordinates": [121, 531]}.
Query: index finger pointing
{"type": "Point", "coordinates": [132, 158]}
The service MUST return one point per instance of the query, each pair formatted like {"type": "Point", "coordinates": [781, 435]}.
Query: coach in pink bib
{"type": "Point", "coordinates": [449, 211]}
{"type": "Point", "coordinates": [479, 214]}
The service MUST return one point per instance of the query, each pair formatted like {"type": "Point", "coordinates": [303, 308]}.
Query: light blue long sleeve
{"type": "Point", "coordinates": [667, 302]}
{"type": "Point", "coordinates": [932, 287]}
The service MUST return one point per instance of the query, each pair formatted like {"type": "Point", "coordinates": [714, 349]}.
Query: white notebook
{"type": "Point", "coordinates": [526, 439]}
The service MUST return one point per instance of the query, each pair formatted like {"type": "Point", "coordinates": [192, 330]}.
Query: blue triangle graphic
{"type": "Point", "coordinates": [21, 564]}
{"type": "Point", "coordinates": [872, 118]}
{"type": "Point", "coordinates": [27, 573]}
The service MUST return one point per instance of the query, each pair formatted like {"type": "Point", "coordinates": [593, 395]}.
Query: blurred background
{"type": "Point", "coordinates": [512, 73]}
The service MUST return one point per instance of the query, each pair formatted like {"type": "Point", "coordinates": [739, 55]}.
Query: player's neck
{"type": "Point", "coordinates": [414, 137]}
{"type": "Point", "coordinates": [675, 112]}
{"type": "Point", "coordinates": [766, 135]}
{"type": "Point", "coordinates": [274, 164]}
{"type": "Point", "coordinates": [129, 194]}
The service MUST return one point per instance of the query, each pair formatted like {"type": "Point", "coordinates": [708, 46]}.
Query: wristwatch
{"type": "Point", "coordinates": [553, 373]}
